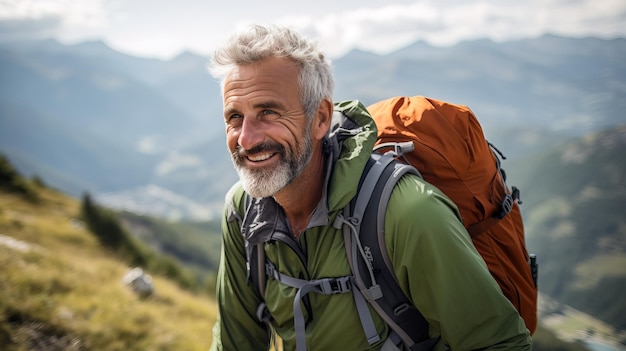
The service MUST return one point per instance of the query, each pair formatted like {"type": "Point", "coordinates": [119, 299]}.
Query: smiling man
{"type": "Point", "coordinates": [276, 149]}
{"type": "Point", "coordinates": [300, 158]}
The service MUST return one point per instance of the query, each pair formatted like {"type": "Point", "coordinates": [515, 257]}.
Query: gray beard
{"type": "Point", "coordinates": [267, 182]}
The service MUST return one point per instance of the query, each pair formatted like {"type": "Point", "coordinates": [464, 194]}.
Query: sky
{"type": "Point", "coordinates": [165, 28]}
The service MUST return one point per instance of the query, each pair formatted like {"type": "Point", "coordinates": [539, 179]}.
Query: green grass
{"type": "Point", "coordinates": [60, 290]}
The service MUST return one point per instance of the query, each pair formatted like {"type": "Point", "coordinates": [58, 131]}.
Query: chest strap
{"type": "Point", "coordinates": [325, 286]}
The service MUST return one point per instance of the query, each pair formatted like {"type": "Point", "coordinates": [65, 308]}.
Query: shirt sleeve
{"type": "Point", "coordinates": [236, 327]}
{"type": "Point", "coordinates": [440, 270]}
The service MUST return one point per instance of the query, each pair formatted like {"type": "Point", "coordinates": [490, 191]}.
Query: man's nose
{"type": "Point", "coordinates": [251, 133]}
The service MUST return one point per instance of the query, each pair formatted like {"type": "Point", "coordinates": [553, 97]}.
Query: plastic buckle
{"type": "Point", "coordinates": [397, 148]}
{"type": "Point", "coordinates": [507, 206]}
{"type": "Point", "coordinates": [404, 147]}
{"type": "Point", "coordinates": [333, 286]}
{"type": "Point", "coordinates": [270, 271]}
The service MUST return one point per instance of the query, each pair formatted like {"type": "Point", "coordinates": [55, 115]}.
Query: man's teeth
{"type": "Point", "coordinates": [260, 157]}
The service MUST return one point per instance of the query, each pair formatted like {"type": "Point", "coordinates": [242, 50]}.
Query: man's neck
{"type": "Point", "coordinates": [300, 198]}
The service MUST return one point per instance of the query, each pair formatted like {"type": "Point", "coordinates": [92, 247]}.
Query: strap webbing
{"type": "Point", "coordinates": [383, 292]}
{"type": "Point", "coordinates": [367, 188]}
{"type": "Point", "coordinates": [325, 286]}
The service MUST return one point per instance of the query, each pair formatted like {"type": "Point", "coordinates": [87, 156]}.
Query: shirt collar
{"type": "Point", "coordinates": [320, 214]}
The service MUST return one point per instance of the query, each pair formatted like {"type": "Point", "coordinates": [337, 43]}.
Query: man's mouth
{"type": "Point", "coordinates": [260, 157]}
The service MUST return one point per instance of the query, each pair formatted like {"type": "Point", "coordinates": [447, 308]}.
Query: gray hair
{"type": "Point", "coordinates": [258, 43]}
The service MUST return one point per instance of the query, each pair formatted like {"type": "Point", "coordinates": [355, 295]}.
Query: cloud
{"type": "Point", "coordinates": [22, 19]}
{"type": "Point", "coordinates": [445, 23]}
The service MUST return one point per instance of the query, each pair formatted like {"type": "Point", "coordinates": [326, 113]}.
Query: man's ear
{"type": "Point", "coordinates": [322, 119]}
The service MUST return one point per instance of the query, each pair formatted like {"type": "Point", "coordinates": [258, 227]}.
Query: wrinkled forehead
{"type": "Point", "coordinates": [278, 75]}
{"type": "Point", "coordinates": [274, 66]}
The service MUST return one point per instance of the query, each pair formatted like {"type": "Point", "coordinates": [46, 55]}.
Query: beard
{"type": "Point", "coordinates": [268, 181]}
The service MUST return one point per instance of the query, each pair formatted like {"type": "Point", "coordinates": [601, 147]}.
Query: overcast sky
{"type": "Point", "coordinates": [164, 28]}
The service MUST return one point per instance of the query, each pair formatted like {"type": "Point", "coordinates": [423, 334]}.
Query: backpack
{"type": "Point", "coordinates": [447, 145]}
{"type": "Point", "coordinates": [444, 144]}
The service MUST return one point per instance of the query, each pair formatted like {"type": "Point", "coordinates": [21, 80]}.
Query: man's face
{"type": "Point", "coordinates": [266, 130]}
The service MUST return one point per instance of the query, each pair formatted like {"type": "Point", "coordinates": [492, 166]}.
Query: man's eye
{"type": "Point", "coordinates": [270, 114]}
{"type": "Point", "coordinates": [233, 118]}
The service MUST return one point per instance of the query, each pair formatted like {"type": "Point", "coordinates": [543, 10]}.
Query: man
{"type": "Point", "coordinates": [295, 179]}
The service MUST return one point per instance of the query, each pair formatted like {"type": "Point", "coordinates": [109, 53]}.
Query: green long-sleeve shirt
{"type": "Point", "coordinates": [433, 258]}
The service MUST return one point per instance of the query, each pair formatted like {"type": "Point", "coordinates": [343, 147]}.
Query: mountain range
{"type": "Point", "coordinates": [147, 134]}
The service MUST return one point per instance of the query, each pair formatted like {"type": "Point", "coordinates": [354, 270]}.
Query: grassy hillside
{"type": "Point", "coordinates": [60, 290]}
{"type": "Point", "coordinates": [197, 244]}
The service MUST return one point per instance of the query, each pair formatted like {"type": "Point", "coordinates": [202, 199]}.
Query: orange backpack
{"type": "Point", "coordinates": [451, 152]}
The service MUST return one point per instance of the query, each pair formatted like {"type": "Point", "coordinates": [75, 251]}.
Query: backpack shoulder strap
{"type": "Point", "coordinates": [368, 256]}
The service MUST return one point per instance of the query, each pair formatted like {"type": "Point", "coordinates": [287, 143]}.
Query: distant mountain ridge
{"type": "Point", "coordinates": [91, 119]}
{"type": "Point", "coordinates": [555, 83]}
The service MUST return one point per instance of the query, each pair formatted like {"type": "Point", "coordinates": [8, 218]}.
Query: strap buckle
{"type": "Point", "coordinates": [332, 286]}
{"type": "Point", "coordinates": [507, 206]}
{"type": "Point", "coordinates": [271, 271]}
{"type": "Point", "coordinates": [508, 201]}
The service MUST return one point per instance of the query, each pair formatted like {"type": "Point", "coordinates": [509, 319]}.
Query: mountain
{"type": "Point", "coordinates": [74, 159]}
{"type": "Point", "coordinates": [92, 119]}
{"type": "Point", "coordinates": [78, 92]}
{"type": "Point", "coordinates": [147, 135]}
{"type": "Point", "coordinates": [555, 83]}
{"type": "Point", "coordinates": [573, 206]}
